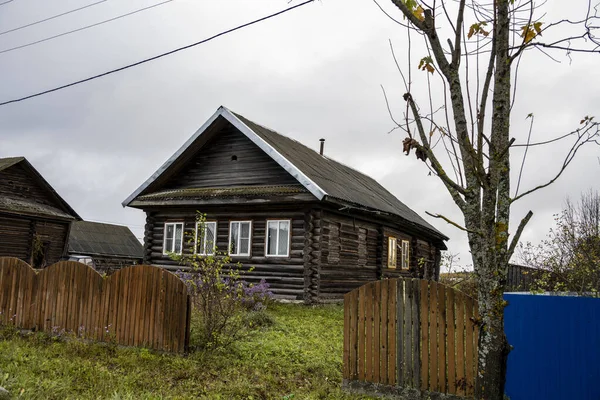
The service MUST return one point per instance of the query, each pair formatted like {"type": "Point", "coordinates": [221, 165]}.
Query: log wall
{"type": "Point", "coordinates": [285, 275]}
{"type": "Point", "coordinates": [17, 233]}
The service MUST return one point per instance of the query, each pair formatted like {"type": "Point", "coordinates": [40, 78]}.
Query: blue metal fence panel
{"type": "Point", "coordinates": [556, 352]}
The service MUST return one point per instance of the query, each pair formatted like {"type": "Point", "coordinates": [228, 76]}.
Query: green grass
{"type": "Point", "coordinates": [298, 357]}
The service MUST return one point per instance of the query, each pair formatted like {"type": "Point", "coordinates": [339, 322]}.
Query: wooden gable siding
{"type": "Point", "coordinates": [16, 182]}
{"type": "Point", "coordinates": [17, 233]}
{"type": "Point", "coordinates": [213, 166]}
{"type": "Point", "coordinates": [285, 275]}
{"type": "Point", "coordinates": [349, 254]}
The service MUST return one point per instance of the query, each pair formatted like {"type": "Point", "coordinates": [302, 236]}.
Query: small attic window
{"type": "Point", "coordinates": [234, 158]}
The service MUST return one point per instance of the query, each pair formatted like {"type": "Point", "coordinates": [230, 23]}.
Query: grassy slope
{"type": "Point", "coordinates": [299, 357]}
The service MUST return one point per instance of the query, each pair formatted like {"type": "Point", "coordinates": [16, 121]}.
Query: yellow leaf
{"type": "Point", "coordinates": [419, 13]}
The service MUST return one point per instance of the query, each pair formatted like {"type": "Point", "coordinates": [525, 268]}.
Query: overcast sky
{"type": "Point", "coordinates": [311, 73]}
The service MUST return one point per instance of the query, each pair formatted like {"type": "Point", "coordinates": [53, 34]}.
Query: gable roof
{"type": "Point", "coordinates": [94, 238]}
{"type": "Point", "coordinates": [27, 206]}
{"type": "Point", "coordinates": [325, 178]}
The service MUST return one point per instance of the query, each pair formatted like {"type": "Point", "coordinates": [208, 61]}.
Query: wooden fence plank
{"type": "Point", "coordinates": [377, 333]}
{"type": "Point", "coordinates": [369, 331]}
{"type": "Point", "coordinates": [361, 332]}
{"type": "Point", "coordinates": [442, 338]}
{"type": "Point", "coordinates": [400, 345]}
{"type": "Point", "coordinates": [424, 333]}
{"type": "Point", "coordinates": [415, 310]}
{"type": "Point", "coordinates": [433, 337]}
{"type": "Point", "coordinates": [460, 343]}
{"type": "Point", "coordinates": [384, 333]}
{"type": "Point", "coordinates": [392, 296]}
{"type": "Point", "coordinates": [408, 353]}
{"type": "Point", "coordinates": [451, 342]}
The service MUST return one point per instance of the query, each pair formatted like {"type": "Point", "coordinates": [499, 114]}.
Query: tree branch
{"type": "Point", "coordinates": [448, 220]}
{"type": "Point", "coordinates": [582, 139]}
{"type": "Point", "coordinates": [517, 236]}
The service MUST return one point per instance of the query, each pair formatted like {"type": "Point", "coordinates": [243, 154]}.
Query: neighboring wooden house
{"type": "Point", "coordinates": [34, 219]}
{"type": "Point", "coordinates": [312, 227]}
{"type": "Point", "coordinates": [109, 246]}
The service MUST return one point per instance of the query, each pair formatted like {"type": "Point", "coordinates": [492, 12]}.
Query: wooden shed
{"type": "Point", "coordinates": [312, 227]}
{"type": "Point", "coordinates": [34, 219]}
{"type": "Point", "coordinates": [110, 246]}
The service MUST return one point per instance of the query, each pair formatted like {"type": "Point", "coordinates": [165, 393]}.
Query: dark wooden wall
{"type": "Point", "coordinates": [17, 233]}
{"type": "Point", "coordinates": [213, 165]}
{"type": "Point", "coordinates": [285, 275]}
{"type": "Point", "coordinates": [348, 254]}
{"type": "Point", "coordinates": [330, 253]}
{"type": "Point", "coordinates": [354, 251]}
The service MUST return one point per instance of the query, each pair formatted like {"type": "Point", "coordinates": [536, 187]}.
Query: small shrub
{"type": "Point", "coordinates": [219, 294]}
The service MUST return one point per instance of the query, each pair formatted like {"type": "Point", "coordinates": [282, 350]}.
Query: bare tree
{"type": "Point", "coordinates": [466, 140]}
{"type": "Point", "coordinates": [570, 256]}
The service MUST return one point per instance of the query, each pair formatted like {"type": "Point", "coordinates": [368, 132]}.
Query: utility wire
{"type": "Point", "coordinates": [51, 18]}
{"type": "Point", "coordinates": [6, 2]}
{"type": "Point", "coordinates": [84, 27]}
{"type": "Point", "coordinates": [155, 57]}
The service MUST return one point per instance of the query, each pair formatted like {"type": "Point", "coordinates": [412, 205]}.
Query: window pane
{"type": "Point", "coordinates": [169, 231]}
{"type": "Point", "coordinates": [244, 246]}
{"type": "Point", "coordinates": [284, 235]}
{"type": "Point", "coordinates": [272, 238]}
{"type": "Point", "coordinates": [168, 245]}
{"type": "Point", "coordinates": [245, 230]}
{"type": "Point", "coordinates": [209, 243]}
{"type": "Point", "coordinates": [178, 237]}
{"type": "Point", "coordinates": [233, 249]}
{"type": "Point", "coordinates": [169, 237]}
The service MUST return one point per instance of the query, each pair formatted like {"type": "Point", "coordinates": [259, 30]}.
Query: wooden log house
{"type": "Point", "coordinates": [312, 227]}
{"type": "Point", "coordinates": [34, 219]}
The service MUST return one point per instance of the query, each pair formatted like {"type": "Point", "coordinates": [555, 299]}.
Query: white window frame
{"type": "Point", "coordinates": [289, 238]}
{"type": "Point", "coordinates": [392, 255]}
{"type": "Point", "coordinates": [239, 239]}
{"type": "Point", "coordinates": [202, 246]}
{"type": "Point", "coordinates": [174, 224]}
{"type": "Point", "coordinates": [405, 254]}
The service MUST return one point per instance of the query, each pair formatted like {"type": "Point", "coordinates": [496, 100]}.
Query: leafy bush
{"type": "Point", "coordinates": [219, 293]}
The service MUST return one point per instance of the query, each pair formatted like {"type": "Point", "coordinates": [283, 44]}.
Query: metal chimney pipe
{"type": "Point", "coordinates": [322, 146]}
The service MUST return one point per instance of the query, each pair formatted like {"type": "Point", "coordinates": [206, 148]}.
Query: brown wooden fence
{"type": "Point", "coordinates": [136, 306]}
{"type": "Point", "coordinates": [411, 333]}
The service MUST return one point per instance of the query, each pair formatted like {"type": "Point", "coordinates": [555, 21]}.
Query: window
{"type": "Point", "coordinates": [239, 238]}
{"type": "Point", "coordinates": [278, 238]}
{"type": "Point", "coordinates": [392, 251]}
{"type": "Point", "coordinates": [405, 254]}
{"type": "Point", "coordinates": [206, 238]}
{"type": "Point", "coordinates": [173, 242]}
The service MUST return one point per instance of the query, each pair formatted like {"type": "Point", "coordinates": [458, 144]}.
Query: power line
{"type": "Point", "coordinates": [6, 2]}
{"type": "Point", "coordinates": [84, 27]}
{"type": "Point", "coordinates": [51, 18]}
{"type": "Point", "coordinates": [155, 57]}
